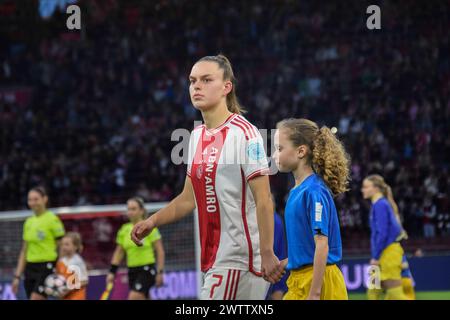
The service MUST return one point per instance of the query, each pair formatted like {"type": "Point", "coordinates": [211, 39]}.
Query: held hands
{"type": "Point", "coordinates": [272, 269]}
{"type": "Point", "coordinates": [141, 230]}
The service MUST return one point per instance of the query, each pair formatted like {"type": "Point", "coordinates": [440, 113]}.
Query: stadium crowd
{"type": "Point", "coordinates": [106, 99]}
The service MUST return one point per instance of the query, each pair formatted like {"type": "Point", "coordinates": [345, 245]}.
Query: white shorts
{"type": "Point", "coordinates": [231, 284]}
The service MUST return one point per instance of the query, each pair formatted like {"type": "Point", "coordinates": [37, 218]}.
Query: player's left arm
{"type": "Point", "coordinates": [320, 263]}
{"type": "Point", "coordinates": [260, 188]}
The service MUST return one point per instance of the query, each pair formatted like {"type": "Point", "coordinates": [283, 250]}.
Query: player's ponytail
{"type": "Point", "coordinates": [389, 195]}
{"type": "Point", "coordinates": [228, 74]}
{"type": "Point", "coordinates": [331, 161]}
{"type": "Point", "coordinates": [386, 191]}
{"type": "Point", "coordinates": [327, 155]}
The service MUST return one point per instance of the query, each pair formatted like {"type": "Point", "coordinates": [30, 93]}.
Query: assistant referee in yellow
{"type": "Point", "coordinates": [37, 258]}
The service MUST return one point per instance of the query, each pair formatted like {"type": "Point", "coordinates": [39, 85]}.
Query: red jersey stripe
{"type": "Point", "coordinates": [249, 128]}
{"type": "Point", "coordinates": [257, 173]}
{"type": "Point", "coordinates": [254, 130]}
{"type": "Point", "coordinates": [203, 178]}
{"type": "Point", "coordinates": [233, 282]}
{"type": "Point", "coordinates": [242, 127]}
{"type": "Point", "coordinates": [237, 284]}
{"type": "Point", "coordinates": [226, 287]}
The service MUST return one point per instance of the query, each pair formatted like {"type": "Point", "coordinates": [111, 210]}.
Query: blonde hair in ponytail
{"type": "Point", "coordinates": [225, 64]}
{"type": "Point", "coordinates": [327, 154]}
{"type": "Point", "coordinates": [386, 191]}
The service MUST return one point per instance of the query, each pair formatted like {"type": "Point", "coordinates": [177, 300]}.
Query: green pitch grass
{"type": "Point", "coordinates": [423, 295]}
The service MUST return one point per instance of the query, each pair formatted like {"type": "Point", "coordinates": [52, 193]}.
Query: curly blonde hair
{"type": "Point", "coordinates": [327, 155]}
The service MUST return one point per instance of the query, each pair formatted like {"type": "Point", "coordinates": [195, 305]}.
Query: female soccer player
{"type": "Point", "coordinates": [227, 183]}
{"type": "Point", "coordinates": [142, 273]}
{"type": "Point", "coordinates": [320, 167]}
{"type": "Point", "coordinates": [39, 249]}
{"type": "Point", "coordinates": [386, 234]}
{"type": "Point", "coordinates": [72, 266]}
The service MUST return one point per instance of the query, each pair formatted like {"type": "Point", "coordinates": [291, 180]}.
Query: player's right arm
{"type": "Point", "coordinates": [21, 262]}
{"type": "Point", "coordinates": [178, 208]}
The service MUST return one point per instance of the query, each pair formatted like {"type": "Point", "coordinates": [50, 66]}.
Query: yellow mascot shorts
{"type": "Point", "coordinates": [299, 284]}
{"type": "Point", "coordinates": [391, 262]}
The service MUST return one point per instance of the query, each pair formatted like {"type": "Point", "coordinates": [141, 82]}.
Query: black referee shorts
{"type": "Point", "coordinates": [141, 279]}
{"type": "Point", "coordinates": [35, 274]}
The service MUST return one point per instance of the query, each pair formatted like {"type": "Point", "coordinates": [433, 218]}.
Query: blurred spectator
{"type": "Point", "coordinates": [105, 100]}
